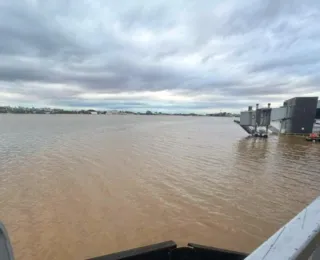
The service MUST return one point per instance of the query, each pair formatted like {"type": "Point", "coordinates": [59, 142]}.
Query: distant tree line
{"type": "Point", "coordinates": [25, 110]}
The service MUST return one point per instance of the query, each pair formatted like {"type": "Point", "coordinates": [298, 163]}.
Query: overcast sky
{"type": "Point", "coordinates": [191, 55]}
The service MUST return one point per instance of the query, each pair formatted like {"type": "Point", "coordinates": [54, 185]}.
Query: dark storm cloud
{"type": "Point", "coordinates": [224, 53]}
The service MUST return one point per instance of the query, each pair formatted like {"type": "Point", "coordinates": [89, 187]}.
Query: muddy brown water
{"type": "Point", "coordinates": [74, 187]}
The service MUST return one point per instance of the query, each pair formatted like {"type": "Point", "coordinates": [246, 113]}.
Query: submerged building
{"type": "Point", "coordinates": [297, 116]}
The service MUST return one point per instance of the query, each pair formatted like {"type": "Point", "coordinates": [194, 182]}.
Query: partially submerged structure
{"type": "Point", "coordinates": [253, 122]}
{"type": "Point", "coordinates": [297, 116]}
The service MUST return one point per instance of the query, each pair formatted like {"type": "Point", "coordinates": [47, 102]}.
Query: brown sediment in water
{"type": "Point", "coordinates": [77, 186]}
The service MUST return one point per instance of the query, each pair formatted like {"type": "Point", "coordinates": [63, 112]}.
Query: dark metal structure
{"type": "Point", "coordinates": [300, 115]}
{"type": "Point", "coordinates": [318, 113]}
{"type": "Point", "coordinates": [169, 251]}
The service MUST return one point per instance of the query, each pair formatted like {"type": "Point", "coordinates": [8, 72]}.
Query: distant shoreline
{"type": "Point", "coordinates": [50, 111]}
{"type": "Point", "coordinates": [119, 114]}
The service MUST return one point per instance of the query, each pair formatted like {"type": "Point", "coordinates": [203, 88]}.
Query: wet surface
{"type": "Point", "coordinates": [74, 187]}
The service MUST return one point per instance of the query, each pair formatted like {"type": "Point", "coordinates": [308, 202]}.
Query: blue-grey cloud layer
{"type": "Point", "coordinates": [179, 55]}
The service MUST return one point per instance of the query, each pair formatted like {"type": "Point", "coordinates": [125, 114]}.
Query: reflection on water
{"type": "Point", "coordinates": [74, 187]}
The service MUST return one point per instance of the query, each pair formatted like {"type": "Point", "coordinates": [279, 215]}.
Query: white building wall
{"type": "Point", "coordinates": [247, 118]}
{"type": "Point", "coordinates": [278, 113]}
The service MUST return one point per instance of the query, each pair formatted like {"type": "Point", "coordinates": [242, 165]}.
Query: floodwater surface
{"type": "Point", "coordinates": [79, 186]}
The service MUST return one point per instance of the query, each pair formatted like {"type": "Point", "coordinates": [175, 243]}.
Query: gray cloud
{"type": "Point", "coordinates": [27, 31]}
{"type": "Point", "coordinates": [301, 60]}
{"type": "Point", "coordinates": [205, 55]}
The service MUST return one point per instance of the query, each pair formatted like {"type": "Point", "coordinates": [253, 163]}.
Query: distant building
{"type": "Point", "coordinates": [112, 112]}
{"type": "Point", "coordinates": [3, 109]}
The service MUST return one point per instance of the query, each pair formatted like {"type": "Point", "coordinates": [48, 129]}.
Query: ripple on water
{"type": "Point", "coordinates": [76, 187]}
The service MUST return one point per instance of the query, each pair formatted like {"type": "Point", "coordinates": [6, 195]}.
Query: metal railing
{"type": "Point", "coordinates": [299, 239]}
